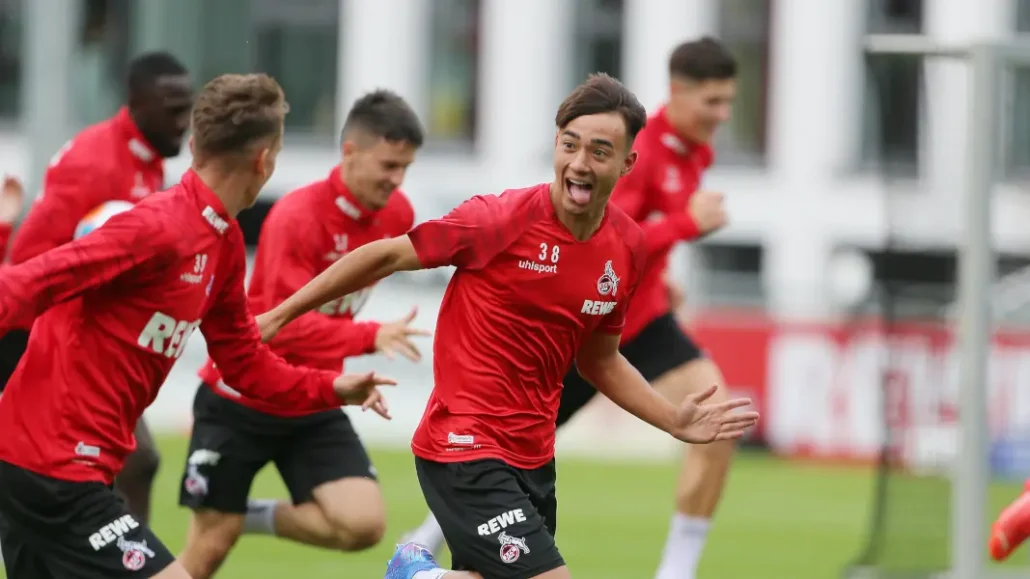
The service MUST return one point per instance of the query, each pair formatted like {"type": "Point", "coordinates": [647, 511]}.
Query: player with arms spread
{"type": "Point", "coordinates": [544, 277]}
{"type": "Point", "coordinates": [336, 502]}
{"type": "Point", "coordinates": [115, 309]}
{"type": "Point", "coordinates": [120, 159]}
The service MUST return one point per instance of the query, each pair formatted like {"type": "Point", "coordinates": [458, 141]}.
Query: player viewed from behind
{"type": "Point", "coordinates": [336, 502]}
{"type": "Point", "coordinates": [118, 159]}
{"type": "Point", "coordinates": [544, 277]}
{"type": "Point", "coordinates": [674, 150]}
{"type": "Point", "coordinates": [116, 309]}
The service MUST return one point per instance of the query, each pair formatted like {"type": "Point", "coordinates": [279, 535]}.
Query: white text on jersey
{"type": "Point", "coordinates": [597, 307]}
{"type": "Point", "coordinates": [165, 335]}
{"type": "Point", "coordinates": [501, 521]}
{"type": "Point", "coordinates": [537, 267]}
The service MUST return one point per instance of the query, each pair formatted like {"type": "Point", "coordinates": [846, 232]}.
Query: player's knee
{"type": "Point", "coordinates": [212, 535]}
{"type": "Point", "coordinates": [358, 531]}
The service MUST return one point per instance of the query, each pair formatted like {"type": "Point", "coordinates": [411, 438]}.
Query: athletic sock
{"type": "Point", "coordinates": [260, 517]}
{"type": "Point", "coordinates": [683, 547]}
{"type": "Point", "coordinates": [428, 534]}
{"type": "Point", "coordinates": [434, 574]}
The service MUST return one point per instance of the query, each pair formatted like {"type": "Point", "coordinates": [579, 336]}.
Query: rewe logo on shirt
{"type": "Point", "coordinates": [165, 335]}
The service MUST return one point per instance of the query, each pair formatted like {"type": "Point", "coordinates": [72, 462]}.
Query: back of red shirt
{"type": "Point", "coordinates": [656, 195]}
{"type": "Point", "coordinates": [306, 232]}
{"type": "Point", "coordinates": [120, 304]}
{"type": "Point", "coordinates": [525, 296]}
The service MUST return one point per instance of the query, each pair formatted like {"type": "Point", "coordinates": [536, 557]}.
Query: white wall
{"type": "Point", "coordinates": [808, 198]}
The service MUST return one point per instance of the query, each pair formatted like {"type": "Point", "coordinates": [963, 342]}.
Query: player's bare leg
{"type": "Point", "coordinates": [702, 478]}
{"type": "Point", "coordinates": [174, 571]}
{"type": "Point", "coordinates": [210, 537]}
{"type": "Point", "coordinates": [347, 514]}
{"type": "Point", "coordinates": [136, 480]}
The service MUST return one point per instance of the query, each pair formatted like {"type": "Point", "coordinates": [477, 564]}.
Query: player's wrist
{"type": "Point", "coordinates": [685, 225]}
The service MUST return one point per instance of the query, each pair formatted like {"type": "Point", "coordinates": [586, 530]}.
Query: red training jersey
{"type": "Point", "coordinates": [5, 237]}
{"type": "Point", "coordinates": [116, 308]}
{"type": "Point", "coordinates": [525, 296]}
{"type": "Point", "coordinates": [108, 161]}
{"type": "Point", "coordinates": [304, 233]}
{"type": "Point", "coordinates": [656, 195]}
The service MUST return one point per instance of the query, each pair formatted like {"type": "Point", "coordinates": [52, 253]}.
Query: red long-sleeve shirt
{"type": "Point", "coordinates": [305, 232]}
{"type": "Point", "coordinates": [656, 195]}
{"type": "Point", "coordinates": [5, 237]}
{"type": "Point", "coordinates": [117, 307]}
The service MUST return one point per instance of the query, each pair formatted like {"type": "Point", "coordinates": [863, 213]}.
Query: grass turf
{"type": "Point", "coordinates": [779, 519]}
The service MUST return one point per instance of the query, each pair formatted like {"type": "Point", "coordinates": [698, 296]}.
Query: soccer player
{"type": "Point", "coordinates": [117, 159]}
{"type": "Point", "coordinates": [12, 194]}
{"type": "Point", "coordinates": [115, 309]}
{"type": "Point", "coordinates": [674, 150]}
{"type": "Point", "coordinates": [544, 277]}
{"type": "Point", "coordinates": [336, 502]}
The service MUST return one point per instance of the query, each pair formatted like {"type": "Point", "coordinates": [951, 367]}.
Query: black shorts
{"type": "Point", "coordinates": [660, 347]}
{"type": "Point", "coordinates": [12, 347]}
{"type": "Point", "coordinates": [52, 529]}
{"type": "Point", "coordinates": [231, 443]}
{"type": "Point", "coordinates": [499, 521]}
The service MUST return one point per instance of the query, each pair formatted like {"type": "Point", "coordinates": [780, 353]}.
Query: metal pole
{"type": "Point", "coordinates": [49, 44]}
{"type": "Point", "coordinates": [976, 268]}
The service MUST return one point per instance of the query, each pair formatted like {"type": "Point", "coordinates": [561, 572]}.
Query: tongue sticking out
{"type": "Point", "coordinates": [580, 194]}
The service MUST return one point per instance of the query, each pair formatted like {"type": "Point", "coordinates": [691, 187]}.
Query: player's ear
{"type": "Point", "coordinates": [261, 162]}
{"type": "Point", "coordinates": [192, 151]}
{"type": "Point", "coordinates": [348, 147]}
{"type": "Point", "coordinates": [629, 163]}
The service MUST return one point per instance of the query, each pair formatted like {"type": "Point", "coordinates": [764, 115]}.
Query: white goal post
{"type": "Point", "coordinates": [971, 472]}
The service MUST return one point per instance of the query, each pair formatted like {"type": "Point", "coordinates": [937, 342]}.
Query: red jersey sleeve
{"type": "Point", "coordinates": [468, 237]}
{"type": "Point", "coordinates": [127, 241]}
{"type": "Point", "coordinates": [295, 265]}
{"type": "Point", "coordinates": [69, 193]}
{"type": "Point", "coordinates": [634, 194]}
{"type": "Point", "coordinates": [234, 343]}
{"type": "Point", "coordinates": [5, 236]}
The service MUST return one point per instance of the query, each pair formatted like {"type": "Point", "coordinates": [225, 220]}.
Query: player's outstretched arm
{"type": "Point", "coordinates": [600, 362]}
{"type": "Point", "coordinates": [354, 271]}
{"type": "Point", "coordinates": [127, 241]}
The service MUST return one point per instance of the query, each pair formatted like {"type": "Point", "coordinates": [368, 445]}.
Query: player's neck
{"type": "Point", "coordinates": [582, 225]}
{"type": "Point", "coordinates": [232, 189]}
{"type": "Point", "coordinates": [353, 191]}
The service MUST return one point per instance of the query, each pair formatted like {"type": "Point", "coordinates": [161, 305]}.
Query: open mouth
{"type": "Point", "coordinates": [579, 191]}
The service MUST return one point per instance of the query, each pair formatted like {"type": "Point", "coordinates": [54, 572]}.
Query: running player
{"type": "Point", "coordinates": [336, 502]}
{"type": "Point", "coordinates": [544, 277]}
{"type": "Point", "coordinates": [118, 159]}
{"type": "Point", "coordinates": [12, 194]}
{"type": "Point", "coordinates": [115, 309]}
{"type": "Point", "coordinates": [674, 149]}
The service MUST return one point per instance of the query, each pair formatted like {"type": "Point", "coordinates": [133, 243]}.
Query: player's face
{"type": "Point", "coordinates": [702, 107]}
{"type": "Point", "coordinates": [162, 113]}
{"type": "Point", "coordinates": [590, 155]}
{"type": "Point", "coordinates": [374, 170]}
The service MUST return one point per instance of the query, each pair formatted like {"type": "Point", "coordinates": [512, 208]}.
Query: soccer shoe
{"type": "Point", "coordinates": [408, 559]}
{"type": "Point", "coordinates": [1011, 528]}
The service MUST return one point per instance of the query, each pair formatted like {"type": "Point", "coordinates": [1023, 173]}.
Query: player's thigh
{"type": "Point", "coordinates": [77, 529]}
{"type": "Point", "coordinates": [489, 521]}
{"type": "Point", "coordinates": [323, 448]}
{"type": "Point", "coordinates": [575, 394]}
{"type": "Point", "coordinates": [228, 446]}
{"type": "Point", "coordinates": [20, 560]}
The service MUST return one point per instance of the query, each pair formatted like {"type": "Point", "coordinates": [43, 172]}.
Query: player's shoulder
{"type": "Point", "coordinates": [300, 203]}
{"type": "Point", "coordinates": [90, 150]}
{"type": "Point", "coordinates": [399, 212]}
{"type": "Point", "coordinates": [626, 230]}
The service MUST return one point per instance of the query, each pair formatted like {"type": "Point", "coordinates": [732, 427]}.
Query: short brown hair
{"type": "Point", "coordinates": [701, 60]}
{"type": "Point", "coordinates": [603, 94]}
{"type": "Point", "coordinates": [234, 111]}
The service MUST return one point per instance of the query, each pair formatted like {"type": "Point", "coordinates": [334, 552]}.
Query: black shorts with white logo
{"type": "Point", "coordinates": [499, 521]}
{"type": "Point", "coordinates": [660, 347]}
{"type": "Point", "coordinates": [12, 348]}
{"type": "Point", "coordinates": [231, 443]}
{"type": "Point", "coordinates": [52, 529]}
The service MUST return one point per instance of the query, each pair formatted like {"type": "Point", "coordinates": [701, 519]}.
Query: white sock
{"type": "Point", "coordinates": [260, 517]}
{"type": "Point", "coordinates": [428, 534]}
{"type": "Point", "coordinates": [434, 574]}
{"type": "Point", "coordinates": [683, 547]}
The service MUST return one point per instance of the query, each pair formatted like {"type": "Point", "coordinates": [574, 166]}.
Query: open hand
{"type": "Point", "coordinates": [699, 423]}
{"type": "Point", "coordinates": [363, 389]}
{"type": "Point", "coordinates": [12, 195]}
{"type": "Point", "coordinates": [395, 338]}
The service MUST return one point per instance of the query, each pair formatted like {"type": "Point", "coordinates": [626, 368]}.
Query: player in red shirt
{"type": "Point", "coordinates": [544, 278]}
{"type": "Point", "coordinates": [674, 149]}
{"type": "Point", "coordinates": [336, 502]}
{"type": "Point", "coordinates": [115, 309]}
{"type": "Point", "coordinates": [117, 159]}
{"type": "Point", "coordinates": [12, 194]}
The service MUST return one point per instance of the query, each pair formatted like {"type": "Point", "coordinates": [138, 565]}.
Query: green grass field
{"type": "Point", "coordinates": [780, 519]}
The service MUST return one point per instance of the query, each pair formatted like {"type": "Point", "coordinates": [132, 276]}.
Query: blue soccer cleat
{"type": "Point", "coordinates": [408, 559]}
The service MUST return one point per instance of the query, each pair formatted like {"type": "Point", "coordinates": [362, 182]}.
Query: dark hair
{"type": "Point", "coordinates": [701, 60]}
{"type": "Point", "coordinates": [603, 94]}
{"type": "Point", "coordinates": [145, 69]}
{"type": "Point", "coordinates": [234, 111]}
{"type": "Point", "coordinates": [384, 115]}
